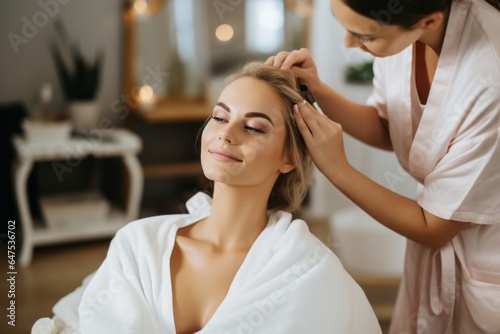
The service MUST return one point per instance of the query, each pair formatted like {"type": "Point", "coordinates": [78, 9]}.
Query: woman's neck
{"type": "Point", "coordinates": [237, 218]}
{"type": "Point", "coordinates": [435, 39]}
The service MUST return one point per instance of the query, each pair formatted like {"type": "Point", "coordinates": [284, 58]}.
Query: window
{"type": "Point", "coordinates": [264, 20]}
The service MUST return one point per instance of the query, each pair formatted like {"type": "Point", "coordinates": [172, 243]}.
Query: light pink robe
{"type": "Point", "coordinates": [452, 148]}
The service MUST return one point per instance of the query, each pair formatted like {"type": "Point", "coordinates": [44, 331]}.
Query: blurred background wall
{"type": "Point", "coordinates": [25, 64]}
{"type": "Point", "coordinates": [26, 29]}
{"type": "Point", "coordinates": [331, 59]}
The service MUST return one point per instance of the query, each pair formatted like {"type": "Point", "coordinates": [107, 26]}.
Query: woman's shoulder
{"type": "Point", "coordinates": [153, 222]}
{"type": "Point", "coordinates": [483, 20]}
{"type": "Point", "coordinates": [314, 277]}
{"type": "Point", "coordinates": [297, 234]}
{"type": "Point", "coordinates": [483, 10]}
{"type": "Point", "coordinates": [150, 227]}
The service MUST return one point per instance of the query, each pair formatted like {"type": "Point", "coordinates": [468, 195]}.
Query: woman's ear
{"type": "Point", "coordinates": [431, 21]}
{"type": "Point", "coordinates": [286, 167]}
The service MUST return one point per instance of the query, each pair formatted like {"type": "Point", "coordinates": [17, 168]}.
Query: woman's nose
{"type": "Point", "coordinates": [224, 138]}
{"type": "Point", "coordinates": [227, 134]}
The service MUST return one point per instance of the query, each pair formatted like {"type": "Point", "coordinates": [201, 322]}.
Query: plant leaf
{"type": "Point", "coordinates": [82, 82]}
{"type": "Point", "coordinates": [62, 70]}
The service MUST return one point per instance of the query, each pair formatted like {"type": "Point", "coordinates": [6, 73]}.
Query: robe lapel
{"type": "Point", "coordinates": [436, 128]}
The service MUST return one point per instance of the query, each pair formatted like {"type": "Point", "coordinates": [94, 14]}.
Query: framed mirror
{"type": "Point", "coordinates": [177, 52]}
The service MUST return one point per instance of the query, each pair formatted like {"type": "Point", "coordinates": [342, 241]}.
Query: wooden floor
{"type": "Point", "coordinates": [54, 272]}
{"type": "Point", "coordinates": [57, 270]}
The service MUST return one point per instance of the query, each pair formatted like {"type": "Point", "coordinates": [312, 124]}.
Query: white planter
{"type": "Point", "coordinates": [84, 114]}
{"type": "Point", "coordinates": [46, 131]}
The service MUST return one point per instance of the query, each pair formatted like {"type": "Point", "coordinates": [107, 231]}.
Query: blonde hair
{"type": "Point", "coordinates": [290, 188]}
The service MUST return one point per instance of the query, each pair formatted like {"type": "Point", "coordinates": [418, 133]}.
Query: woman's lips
{"type": "Point", "coordinates": [223, 155]}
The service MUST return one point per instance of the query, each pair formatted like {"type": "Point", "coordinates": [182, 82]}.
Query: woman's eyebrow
{"type": "Point", "coordinates": [361, 35]}
{"type": "Point", "coordinates": [259, 114]}
{"type": "Point", "coordinates": [223, 106]}
{"type": "Point", "coordinates": [352, 32]}
{"type": "Point", "coordinates": [249, 114]}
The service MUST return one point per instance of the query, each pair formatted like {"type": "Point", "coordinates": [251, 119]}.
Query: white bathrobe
{"type": "Point", "coordinates": [288, 283]}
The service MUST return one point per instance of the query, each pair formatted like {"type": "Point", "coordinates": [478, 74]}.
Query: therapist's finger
{"type": "Point", "coordinates": [322, 136]}
{"type": "Point", "coordinates": [302, 125]}
{"type": "Point", "coordinates": [312, 117]}
{"type": "Point", "coordinates": [280, 58]}
{"type": "Point", "coordinates": [294, 58]}
{"type": "Point", "coordinates": [270, 60]}
{"type": "Point", "coordinates": [307, 114]}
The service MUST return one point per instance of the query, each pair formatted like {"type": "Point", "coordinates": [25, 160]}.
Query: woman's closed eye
{"type": "Point", "coordinates": [218, 119]}
{"type": "Point", "coordinates": [249, 128]}
{"type": "Point", "coordinates": [254, 130]}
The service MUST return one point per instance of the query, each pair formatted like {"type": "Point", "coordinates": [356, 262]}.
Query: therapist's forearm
{"type": "Point", "coordinates": [359, 120]}
{"type": "Point", "coordinates": [396, 212]}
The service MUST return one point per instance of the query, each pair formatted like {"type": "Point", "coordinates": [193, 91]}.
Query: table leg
{"type": "Point", "coordinates": [136, 183]}
{"type": "Point", "coordinates": [21, 172]}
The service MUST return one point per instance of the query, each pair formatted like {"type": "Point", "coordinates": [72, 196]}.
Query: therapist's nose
{"type": "Point", "coordinates": [351, 41]}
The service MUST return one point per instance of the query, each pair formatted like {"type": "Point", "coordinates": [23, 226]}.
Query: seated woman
{"type": "Point", "coordinates": [237, 262]}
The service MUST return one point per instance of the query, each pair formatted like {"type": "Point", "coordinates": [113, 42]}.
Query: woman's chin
{"type": "Point", "coordinates": [218, 175]}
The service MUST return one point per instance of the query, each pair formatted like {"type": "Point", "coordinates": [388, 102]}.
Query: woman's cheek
{"type": "Point", "coordinates": [265, 149]}
{"type": "Point", "coordinates": [249, 152]}
{"type": "Point", "coordinates": [207, 134]}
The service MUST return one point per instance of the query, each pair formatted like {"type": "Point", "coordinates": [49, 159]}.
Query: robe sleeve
{"type": "Point", "coordinates": [378, 98]}
{"type": "Point", "coordinates": [114, 301]}
{"type": "Point", "coordinates": [465, 183]}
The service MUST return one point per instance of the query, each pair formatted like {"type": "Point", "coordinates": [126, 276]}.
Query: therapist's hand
{"type": "Point", "coordinates": [323, 138]}
{"type": "Point", "coordinates": [301, 63]}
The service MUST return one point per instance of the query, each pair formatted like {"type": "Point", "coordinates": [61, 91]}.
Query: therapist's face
{"type": "Point", "coordinates": [243, 142]}
{"type": "Point", "coordinates": [371, 36]}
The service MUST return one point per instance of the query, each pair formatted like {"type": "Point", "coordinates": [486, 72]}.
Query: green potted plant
{"type": "Point", "coordinates": [80, 80]}
{"type": "Point", "coordinates": [360, 73]}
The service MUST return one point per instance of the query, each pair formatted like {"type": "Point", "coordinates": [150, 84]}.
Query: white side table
{"type": "Point", "coordinates": [118, 142]}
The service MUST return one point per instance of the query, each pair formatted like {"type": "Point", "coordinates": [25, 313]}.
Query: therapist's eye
{"type": "Point", "coordinates": [367, 39]}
